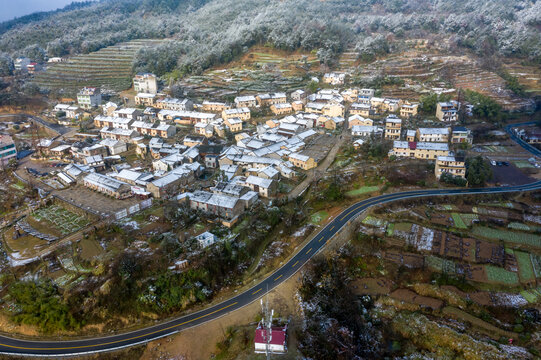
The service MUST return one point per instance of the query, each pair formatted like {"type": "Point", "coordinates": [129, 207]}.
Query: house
{"type": "Point", "coordinates": [271, 99]}
{"type": "Point", "coordinates": [391, 105]}
{"type": "Point", "coordinates": [248, 101]}
{"type": "Point", "coordinates": [297, 106]}
{"type": "Point", "coordinates": [186, 117]}
{"type": "Point", "coordinates": [145, 99]}
{"type": "Point", "coordinates": [367, 92]}
{"type": "Point", "coordinates": [71, 111]}
{"type": "Point", "coordinates": [447, 111]}
{"type": "Point", "coordinates": [21, 63]}
{"type": "Point", "coordinates": [8, 150]}
{"type": "Point", "coordinates": [419, 150]}
{"type": "Point", "coordinates": [109, 108]}
{"type": "Point", "coordinates": [190, 141]}
{"type": "Point", "coordinates": [359, 121]}
{"type": "Point", "coordinates": [299, 95]}
{"type": "Point", "coordinates": [243, 113]}
{"type": "Point", "coordinates": [377, 102]}
{"type": "Point", "coordinates": [145, 83]}
{"type": "Point", "coordinates": [154, 129]}
{"type": "Point", "coordinates": [450, 165]}
{"type": "Point", "coordinates": [393, 128]}
{"type": "Point", "coordinates": [127, 113]}
{"type": "Point", "coordinates": [60, 151]}
{"type": "Point", "coordinates": [409, 110]}
{"type": "Point", "coordinates": [363, 110]}
{"type": "Point", "coordinates": [33, 67]}
{"type": "Point", "coordinates": [234, 124]}
{"type": "Point", "coordinates": [174, 104]}
{"type": "Point", "coordinates": [265, 187]}
{"type": "Point", "coordinates": [101, 121]}
{"type": "Point", "coordinates": [301, 161]}
{"type": "Point", "coordinates": [461, 135]}
{"type": "Point", "coordinates": [118, 134]}
{"type": "Point", "coordinates": [333, 123]}
{"type": "Point", "coordinates": [223, 206]}
{"type": "Point", "coordinates": [215, 106]}
{"type": "Point", "coordinates": [334, 78]}
{"type": "Point", "coordinates": [366, 130]}
{"type": "Point", "coordinates": [107, 185]}
{"type": "Point", "coordinates": [276, 340]}
{"type": "Point", "coordinates": [89, 97]}
{"type": "Point", "coordinates": [334, 109]}
{"type": "Point", "coordinates": [96, 149]}
{"type": "Point", "coordinates": [281, 109]}
{"type": "Point", "coordinates": [206, 239]}
{"type": "Point", "coordinates": [114, 147]}
{"type": "Point", "coordinates": [410, 135]}
{"type": "Point", "coordinates": [166, 186]}
{"type": "Point", "coordinates": [433, 134]}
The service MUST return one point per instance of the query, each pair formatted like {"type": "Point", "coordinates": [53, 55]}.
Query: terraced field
{"type": "Point", "coordinates": [109, 68]}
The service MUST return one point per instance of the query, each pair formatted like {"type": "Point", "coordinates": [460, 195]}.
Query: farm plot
{"type": "Point", "coordinates": [525, 267]}
{"type": "Point", "coordinates": [110, 67]}
{"type": "Point", "coordinates": [60, 219]}
{"type": "Point", "coordinates": [319, 217]}
{"type": "Point", "coordinates": [500, 275]}
{"type": "Point", "coordinates": [511, 236]}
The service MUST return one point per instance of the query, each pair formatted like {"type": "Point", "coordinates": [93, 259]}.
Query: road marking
{"type": "Point", "coordinates": [296, 262]}
{"type": "Point", "coordinates": [309, 250]}
{"type": "Point", "coordinates": [331, 228]}
{"type": "Point", "coordinates": [321, 238]}
{"type": "Point", "coordinates": [255, 292]}
{"type": "Point", "coordinates": [278, 277]}
{"type": "Point", "coordinates": [123, 340]}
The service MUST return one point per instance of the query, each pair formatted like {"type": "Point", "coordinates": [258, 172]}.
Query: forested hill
{"type": "Point", "coordinates": [207, 32]}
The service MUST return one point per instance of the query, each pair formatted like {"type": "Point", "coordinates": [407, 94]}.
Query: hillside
{"type": "Point", "coordinates": [207, 33]}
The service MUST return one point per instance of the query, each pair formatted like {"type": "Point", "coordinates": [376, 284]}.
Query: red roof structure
{"type": "Point", "coordinates": [412, 145]}
{"type": "Point", "coordinates": [278, 335]}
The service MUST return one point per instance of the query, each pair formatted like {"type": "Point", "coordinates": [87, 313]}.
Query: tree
{"type": "Point", "coordinates": [483, 106]}
{"type": "Point", "coordinates": [430, 102]}
{"type": "Point", "coordinates": [6, 65]}
{"type": "Point", "coordinates": [478, 171]}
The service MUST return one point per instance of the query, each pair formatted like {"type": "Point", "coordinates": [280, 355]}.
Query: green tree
{"type": "Point", "coordinates": [429, 102]}
{"type": "Point", "coordinates": [483, 106]}
{"type": "Point", "coordinates": [478, 171]}
{"type": "Point", "coordinates": [39, 304]}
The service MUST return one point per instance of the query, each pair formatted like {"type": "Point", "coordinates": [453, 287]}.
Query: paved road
{"type": "Point", "coordinates": [60, 129]}
{"type": "Point", "coordinates": [78, 347]}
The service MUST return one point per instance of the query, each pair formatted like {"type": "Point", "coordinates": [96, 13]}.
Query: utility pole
{"type": "Point", "coordinates": [266, 324]}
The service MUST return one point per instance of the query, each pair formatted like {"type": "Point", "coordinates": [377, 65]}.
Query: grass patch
{"type": "Point", "coordinates": [319, 217]}
{"type": "Point", "coordinates": [390, 230]}
{"type": "Point", "coordinates": [362, 190]}
{"type": "Point", "coordinates": [518, 226]}
{"type": "Point", "coordinates": [511, 236]}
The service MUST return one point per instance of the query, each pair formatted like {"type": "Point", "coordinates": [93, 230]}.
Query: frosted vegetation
{"type": "Point", "coordinates": [208, 32]}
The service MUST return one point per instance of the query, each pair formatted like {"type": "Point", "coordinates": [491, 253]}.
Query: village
{"type": "Point", "coordinates": [111, 162]}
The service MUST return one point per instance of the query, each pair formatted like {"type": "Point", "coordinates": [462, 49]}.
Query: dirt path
{"type": "Point", "coordinates": [322, 167]}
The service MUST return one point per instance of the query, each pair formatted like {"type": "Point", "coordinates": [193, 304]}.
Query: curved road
{"type": "Point", "coordinates": [79, 347]}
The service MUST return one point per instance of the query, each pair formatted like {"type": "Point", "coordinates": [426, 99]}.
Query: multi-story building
{"type": "Point", "coordinates": [145, 83]}
{"type": "Point", "coordinates": [366, 130]}
{"type": "Point", "coordinates": [409, 110]}
{"type": "Point", "coordinates": [107, 185]}
{"type": "Point", "coordinates": [248, 101]}
{"type": "Point", "coordinates": [357, 120]}
{"type": "Point", "coordinates": [174, 104]}
{"type": "Point", "coordinates": [234, 124]}
{"type": "Point", "coordinates": [447, 111]}
{"type": "Point", "coordinates": [241, 113]}
{"type": "Point", "coordinates": [360, 109]}
{"type": "Point", "coordinates": [334, 78]}
{"type": "Point", "coordinates": [127, 113]}
{"type": "Point", "coordinates": [214, 106]}
{"type": "Point", "coordinates": [8, 150]}
{"type": "Point", "coordinates": [393, 128]}
{"type": "Point", "coordinates": [433, 134]}
{"type": "Point", "coordinates": [460, 135]}
{"type": "Point", "coordinates": [89, 97]}
{"type": "Point", "coordinates": [304, 162]}
{"type": "Point", "coordinates": [450, 165]}
{"type": "Point", "coordinates": [419, 150]}
{"type": "Point", "coordinates": [271, 99]}
{"type": "Point", "coordinates": [145, 99]}
{"type": "Point", "coordinates": [281, 109]}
